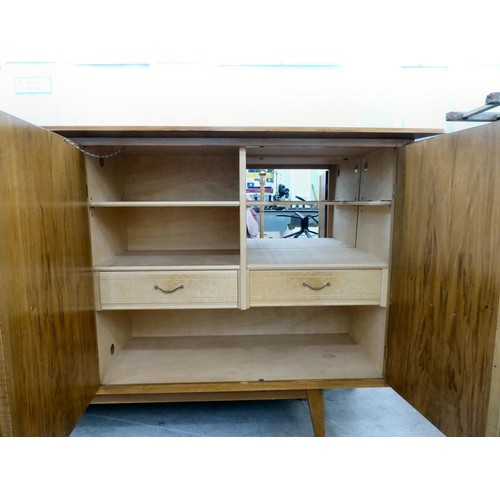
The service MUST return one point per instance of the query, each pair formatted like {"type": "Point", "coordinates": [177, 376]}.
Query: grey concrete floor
{"type": "Point", "coordinates": [348, 413]}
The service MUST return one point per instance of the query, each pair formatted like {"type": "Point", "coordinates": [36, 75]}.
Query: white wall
{"type": "Point", "coordinates": [266, 63]}
{"type": "Point", "coordinates": [204, 94]}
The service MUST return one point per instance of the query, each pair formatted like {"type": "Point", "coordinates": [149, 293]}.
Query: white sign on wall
{"type": "Point", "coordinates": [33, 85]}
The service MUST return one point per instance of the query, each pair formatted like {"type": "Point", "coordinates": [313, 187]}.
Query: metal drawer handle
{"type": "Point", "coordinates": [168, 291]}
{"type": "Point", "coordinates": [318, 288]}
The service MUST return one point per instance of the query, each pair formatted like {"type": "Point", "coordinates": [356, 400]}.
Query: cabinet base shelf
{"type": "Point", "coordinates": [239, 359]}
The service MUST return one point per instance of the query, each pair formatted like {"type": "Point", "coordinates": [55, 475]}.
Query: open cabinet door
{"type": "Point", "coordinates": [445, 280]}
{"type": "Point", "coordinates": [48, 349]}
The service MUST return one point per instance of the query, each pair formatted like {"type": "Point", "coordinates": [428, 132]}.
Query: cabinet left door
{"type": "Point", "coordinates": [48, 350]}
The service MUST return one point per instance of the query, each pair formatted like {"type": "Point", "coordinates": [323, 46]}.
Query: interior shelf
{"type": "Point", "coordinates": [248, 358]}
{"type": "Point", "coordinates": [139, 204]}
{"type": "Point", "coordinates": [305, 253]}
{"type": "Point", "coordinates": [171, 260]}
{"type": "Point", "coordinates": [295, 205]}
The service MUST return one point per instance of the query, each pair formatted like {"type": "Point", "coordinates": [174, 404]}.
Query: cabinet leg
{"type": "Point", "coordinates": [317, 409]}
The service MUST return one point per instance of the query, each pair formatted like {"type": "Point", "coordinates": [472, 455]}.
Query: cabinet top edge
{"type": "Point", "coordinates": [244, 132]}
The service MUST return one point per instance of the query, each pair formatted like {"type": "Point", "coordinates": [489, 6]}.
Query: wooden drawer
{"type": "Point", "coordinates": [164, 290]}
{"type": "Point", "coordinates": [302, 288]}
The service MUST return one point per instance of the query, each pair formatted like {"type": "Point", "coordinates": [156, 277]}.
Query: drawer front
{"type": "Point", "coordinates": [302, 288]}
{"type": "Point", "coordinates": [169, 290]}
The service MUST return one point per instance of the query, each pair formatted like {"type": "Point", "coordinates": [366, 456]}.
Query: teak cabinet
{"type": "Point", "coordinates": [127, 274]}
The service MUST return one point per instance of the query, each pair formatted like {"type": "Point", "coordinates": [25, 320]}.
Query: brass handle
{"type": "Point", "coordinates": [316, 288]}
{"type": "Point", "coordinates": [168, 291]}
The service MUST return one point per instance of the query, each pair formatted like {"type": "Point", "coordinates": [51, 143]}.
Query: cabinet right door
{"type": "Point", "coordinates": [445, 280]}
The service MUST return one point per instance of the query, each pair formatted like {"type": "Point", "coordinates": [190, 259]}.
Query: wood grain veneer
{"type": "Point", "coordinates": [5, 416]}
{"type": "Point", "coordinates": [445, 283]}
{"type": "Point", "coordinates": [493, 421]}
{"type": "Point", "coordinates": [46, 301]}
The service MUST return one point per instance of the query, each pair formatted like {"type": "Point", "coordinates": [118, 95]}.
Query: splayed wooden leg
{"type": "Point", "coordinates": [317, 408]}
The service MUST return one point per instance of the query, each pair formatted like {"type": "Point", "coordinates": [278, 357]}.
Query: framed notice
{"type": "Point", "coordinates": [33, 85]}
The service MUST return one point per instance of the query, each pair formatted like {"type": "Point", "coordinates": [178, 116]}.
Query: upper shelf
{"type": "Point", "coordinates": [296, 205]}
{"type": "Point", "coordinates": [157, 204]}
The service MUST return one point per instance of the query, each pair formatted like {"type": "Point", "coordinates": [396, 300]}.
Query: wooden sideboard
{"type": "Point", "coordinates": [127, 274]}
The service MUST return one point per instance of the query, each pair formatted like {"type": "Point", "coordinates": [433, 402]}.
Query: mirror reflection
{"type": "Point", "coordinates": [288, 201]}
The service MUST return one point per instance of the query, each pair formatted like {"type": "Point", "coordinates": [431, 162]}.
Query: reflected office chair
{"type": "Point", "coordinates": [304, 225]}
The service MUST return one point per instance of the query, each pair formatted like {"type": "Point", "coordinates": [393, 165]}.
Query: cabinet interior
{"type": "Point", "coordinates": [161, 215]}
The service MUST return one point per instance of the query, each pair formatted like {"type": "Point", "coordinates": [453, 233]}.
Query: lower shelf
{"type": "Point", "coordinates": [239, 358]}
{"type": "Point", "coordinates": [171, 260]}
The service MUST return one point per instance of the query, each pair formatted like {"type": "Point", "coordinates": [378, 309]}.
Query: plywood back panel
{"type": "Point", "coordinates": [108, 233]}
{"type": "Point", "coordinates": [183, 177]}
{"type": "Point", "coordinates": [374, 231]}
{"type": "Point", "coordinates": [345, 220]}
{"type": "Point", "coordinates": [115, 331]}
{"type": "Point", "coordinates": [348, 175]}
{"type": "Point", "coordinates": [378, 171]}
{"type": "Point", "coordinates": [107, 182]}
{"type": "Point", "coordinates": [368, 327]}
{"type": "Point", "coordinates": [445, 278]}
{"type": "Point", "coordinates": [186, 228]}
{"type": "Point", "coordinates": [254, 321]}
{"type": "Point", "coordinates": [165, 174]}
